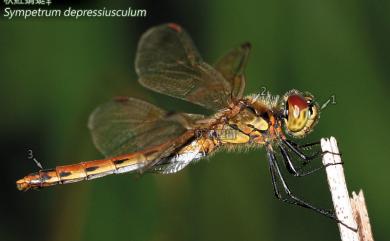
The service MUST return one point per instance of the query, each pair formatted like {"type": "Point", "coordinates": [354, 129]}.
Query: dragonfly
{"type": "Point", "coordinates": [137, 137]}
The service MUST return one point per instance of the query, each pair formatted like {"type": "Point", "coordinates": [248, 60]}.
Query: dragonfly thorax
{"type": "Point", "coordinates": [263, 119]}
{"type": "Point", "coordinates": [251, 124]}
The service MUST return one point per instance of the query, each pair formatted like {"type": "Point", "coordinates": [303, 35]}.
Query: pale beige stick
{"type": "Point", "coordinates": [339, 191]}
{"type": "Point", "coordinates": [361, 216]}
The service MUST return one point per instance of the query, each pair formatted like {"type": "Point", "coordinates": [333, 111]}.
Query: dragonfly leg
{"type": "Point", "coordinates": [291, 198]}
{"type": "Point", "coordinates": [303, 146]}
{"type": "Point", "coordinates": [287, 161]}
{"type": "Point", "coordinates": [306, 158]}
{"type": "Point", "coordinates": [298, 171]}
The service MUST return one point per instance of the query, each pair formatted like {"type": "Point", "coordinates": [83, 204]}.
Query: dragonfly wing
{"type": "Point", "coordinates": [168, 62]}
{"type": "Point", "coordinates": [126, 125]}
{"type": "Point", "coordinates": [232, 66]}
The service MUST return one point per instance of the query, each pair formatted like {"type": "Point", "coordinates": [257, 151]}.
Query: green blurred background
{"type": "Point", "coordinates": [54, 72]}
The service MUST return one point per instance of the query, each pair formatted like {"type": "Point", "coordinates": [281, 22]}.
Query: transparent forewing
{"type": "Point", "coordinates": [127, 125]}
{"type": "Point", "coordinates": [232, 66]}
{"type": "Point", "coordinates": [168, 62]}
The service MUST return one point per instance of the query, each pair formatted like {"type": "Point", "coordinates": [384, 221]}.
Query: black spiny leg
{"type": "Point", "coordinates": [297, 171]}
{"type": "Point", "coordinates": [305, 145]}
{"type": "Point", "coordinates": [296, 149]}
{"type": "Point", "coordinates": [291, 198]}
{"type": "Point", "coordinates": [306, 159]}
{"type": "Point", "coordinates": [287, 161]}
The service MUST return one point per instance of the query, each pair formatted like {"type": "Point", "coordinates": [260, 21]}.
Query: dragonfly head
{"type": "Point", "coordinates": [300, 113]}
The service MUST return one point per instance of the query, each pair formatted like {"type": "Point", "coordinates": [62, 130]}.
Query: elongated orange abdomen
{"type": "Point", "coordinates": [87, 170]}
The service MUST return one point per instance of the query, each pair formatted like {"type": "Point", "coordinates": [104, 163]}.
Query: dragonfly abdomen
{"type": "Point", "coordinates": [84, 171]}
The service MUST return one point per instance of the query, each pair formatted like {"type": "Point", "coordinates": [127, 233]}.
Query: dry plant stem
{"type": "Point", "coordinates": [338, 189]}
{"type": "Point", "coordinates": [361, 216]}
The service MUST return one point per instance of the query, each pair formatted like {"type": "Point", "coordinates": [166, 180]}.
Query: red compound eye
{"type": "Point", "coordinates": [297, 100]}
{"type": "Point", "coordinates": [175, 27]}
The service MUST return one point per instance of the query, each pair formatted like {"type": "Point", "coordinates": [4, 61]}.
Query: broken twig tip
{"type": "Point", "coordinates": [351, 212]}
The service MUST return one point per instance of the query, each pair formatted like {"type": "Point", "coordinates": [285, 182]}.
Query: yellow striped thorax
{"type": "Point", "coordinates": [248, 122]}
